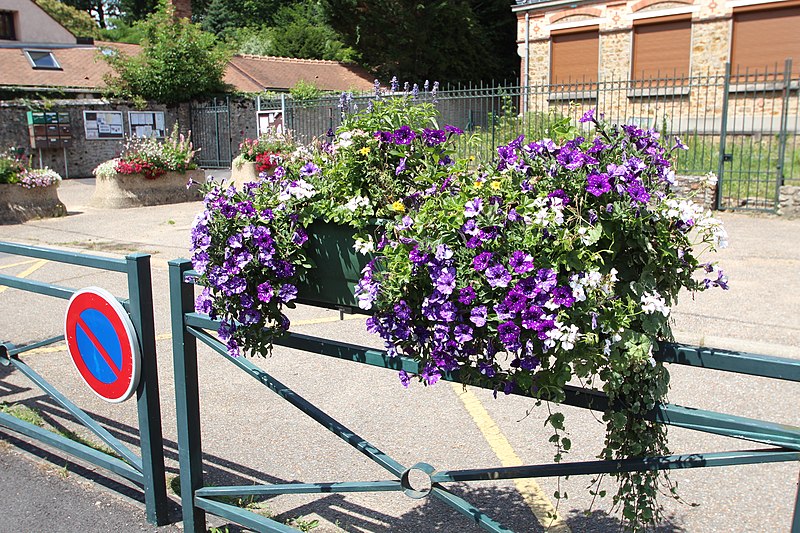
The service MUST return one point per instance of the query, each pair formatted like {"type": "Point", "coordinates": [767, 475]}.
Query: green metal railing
{"type": "Point", "coordinates": [742, 125]}
{"type": "Point", "coordinates": [198, 499]}
{"type": "Point", "coordinates": [148, 469]}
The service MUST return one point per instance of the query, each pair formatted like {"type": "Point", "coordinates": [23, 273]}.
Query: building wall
{"type": "Point", "coordinates": [33, 25]}
{"type": "Point", "coordinates": [83, 155]}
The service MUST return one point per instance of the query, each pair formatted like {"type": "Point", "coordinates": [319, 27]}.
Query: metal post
{"type": "Point", "coordinates": [187, 397]}
{"type": "Point", "coordinates": [783, 136]}
{"type": "Point", "coordinates": [140, 294]}
{"type": "Point", "coordinates": [723, 134]}
{"type": "Point", "coordinates": [796, 520]}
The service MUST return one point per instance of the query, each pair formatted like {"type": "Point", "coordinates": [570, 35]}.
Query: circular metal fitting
{"type": "Point", "coordinates": [417, 493]}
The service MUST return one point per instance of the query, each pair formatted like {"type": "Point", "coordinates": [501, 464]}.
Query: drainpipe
{"type": "Point", "coordinates": [527, 62]}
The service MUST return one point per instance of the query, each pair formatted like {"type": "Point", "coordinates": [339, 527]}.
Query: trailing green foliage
{"type": "Point", "coordinates": [78, 22]}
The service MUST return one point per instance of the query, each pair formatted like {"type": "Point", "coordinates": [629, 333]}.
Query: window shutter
{"type": "Point", "coordinates": [764, 39]}
{"type": "Point", "coordinates": [573, 57]}
{"type": "Point", "coordinates": [661, 49]}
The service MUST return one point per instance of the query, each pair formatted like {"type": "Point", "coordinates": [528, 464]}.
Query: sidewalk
{"type": "Point", "coordinates": [248, 437]}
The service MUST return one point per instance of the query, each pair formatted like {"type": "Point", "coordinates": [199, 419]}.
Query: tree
{"type": "Point", "coordinates": [99, 10]}
{"type": "Point", "coordinates": [78, 22]}
{"type": "Point", "coordinates": [178, 62]}
{"type": "Point", "coordinates": [220, 18]}
{"type": "Point", "coordinates": [449, 40]}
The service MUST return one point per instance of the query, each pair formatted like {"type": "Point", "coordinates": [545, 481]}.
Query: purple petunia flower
{"type": "Point", "coordinates": [446, 280]}
{"type": "Point", "coordinates": [401, 167]}
{"type": "Point", "coordinates": [203, 304]}
{"type": "Point", "coordinates": [463, 333]}
{"type": "Point", "coordinates": [509, 334]}
{"type": "Point", "coordinates": [563, 296]}
{"type": "Point", "coordinates": [588, 116]}
{"type": "Point", "coordinates": [404, 135]}
{"type": "Point", "coordinates": [521, 262]}
{"type": "Point", "coordinates": [430, 374]}
{"type": "Point", "coordinates": [498, 276]}
{"type": "Point", "coordinates": [481, 261]}
{"type": "Point", "coordinates": [309, 169]}
{"type": "Point", "coordinates": [433, 137]}
{"type": "Point", "coordinates": [638, 193]}
{"type": "Point", "coordinates": [264, 291]}
{"type": "Point", "coordinates": [466, 295]}
{"type": "Point", "coordinates": [561, 194]}
{"type": "Point", "coordinates": [478, 315]}
{"type": "Point", "coordinates": [473, 207]}
{"type": "Point", "coordinates": [453, 130]}
{"type": "Point", "coordinates": [287, 292]}
{"type": "Point", "coordinates": [384, 136]}
{"type": "Point", "coordinates": [598, 184]}
{"type": "Point", "coordinates": [405, 378]}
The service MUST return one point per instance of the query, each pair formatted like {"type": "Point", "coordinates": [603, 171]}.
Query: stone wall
{"type": "Point", "coordinates": [789, 205]}
{"type": "Point", "coordinates": [82, 155]}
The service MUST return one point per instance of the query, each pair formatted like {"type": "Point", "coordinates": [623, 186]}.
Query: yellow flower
{"type": "Point", "coordinates": [478, 183]}
{"type": "Point", "coordinates": [495, 185]}
{"type": "Point", "coordinates": [398, 206]}
{"type": "Point", "coordinates": [364, 151]}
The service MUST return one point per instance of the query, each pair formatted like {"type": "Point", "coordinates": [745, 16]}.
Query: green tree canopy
{"type": "Point", "coordinates": [78, 22]}
{"type": "Point", "coordinates": [178, 62]}
{"type": "Point", "coordinates": [448, 40]}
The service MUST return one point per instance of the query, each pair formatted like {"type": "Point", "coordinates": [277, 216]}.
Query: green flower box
{"type": "Point", "coordinates": [337, 267]}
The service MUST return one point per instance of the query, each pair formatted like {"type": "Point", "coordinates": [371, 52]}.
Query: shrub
{"type": "Point", "coordinates": [153, 158]}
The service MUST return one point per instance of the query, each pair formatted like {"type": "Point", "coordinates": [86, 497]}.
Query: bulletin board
{"type": "Point", "coordinates": [102, 125]}
{"type": "Point", "coordinates": [146, 124]}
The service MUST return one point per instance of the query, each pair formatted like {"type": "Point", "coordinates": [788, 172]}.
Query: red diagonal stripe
{"type": "Point", "coordinates": [98, 346]}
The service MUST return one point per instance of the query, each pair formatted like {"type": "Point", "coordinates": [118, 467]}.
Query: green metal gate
{"type": "Point", "coordinates": [210, 123]}
{"type": "Point", "coordinates": [198, 499]}
{"type": "Point", "coordinates": [147, 469]}
{"type": "Point", "coordinates": [758, 145]}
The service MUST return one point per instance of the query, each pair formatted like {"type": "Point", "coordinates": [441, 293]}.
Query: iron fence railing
{"type": "Point", "coordinates": [741, 125]}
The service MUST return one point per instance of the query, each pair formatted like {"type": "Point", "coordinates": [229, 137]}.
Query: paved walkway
{"type": "Point", "coordinates": [250, 437]}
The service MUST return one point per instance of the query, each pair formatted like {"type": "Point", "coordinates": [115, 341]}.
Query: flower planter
{"type": "Point", "coordinates": [18, 203]}
{"type": "Point", "coordinates": [243, 174]}
{"type": "Point", "coordinates": [338, 267]}
{"type": "Point", "coordinates": [134, 190]}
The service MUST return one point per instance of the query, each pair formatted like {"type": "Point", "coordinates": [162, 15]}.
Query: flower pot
{"type": "Point", "coordinates": [134, 190]}
{"type": "Point", "coordinates": [243, 174]}
{"type": "Point", "coordinates": [337, 267]}
{"type": "Point", "coordinates": [18, 203]}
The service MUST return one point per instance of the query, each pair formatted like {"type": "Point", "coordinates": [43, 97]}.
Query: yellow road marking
{"type": "Point", "coordinates": [20, 263]}
{"type": "Point", "coordinates": [39, 263]}
{"type": "Point", "coordinates": [531, 492]}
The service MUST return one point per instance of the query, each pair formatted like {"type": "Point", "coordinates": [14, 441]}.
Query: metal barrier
{"type": "Point", "coordinates": [147, 470]}
{"type": "Point", "coordinates": [198, 499]}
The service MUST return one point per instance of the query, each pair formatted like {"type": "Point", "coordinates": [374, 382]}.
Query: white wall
{"type": "Point", "coordinates": [33, 25]}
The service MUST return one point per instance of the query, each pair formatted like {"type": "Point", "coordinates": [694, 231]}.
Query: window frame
{"type": "Point", "coordinates": [32, 61]}
{"type": "Point", "coordinates": [655, 21]}
{"type": "Point", "coordinates": [10, 18]}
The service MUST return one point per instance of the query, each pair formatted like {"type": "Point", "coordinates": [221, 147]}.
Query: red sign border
{"type": "Point", "coordinates": [104, 302]}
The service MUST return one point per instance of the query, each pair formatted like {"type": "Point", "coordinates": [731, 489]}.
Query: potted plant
{"type": "Point", "coordinates": [27, 193]}
{"type": "Point", "coordinates": [148, 172]}
{"type": "Point", "coordinates": [261, 155]}
{"type": "Point", "coordinates": [560, 260]}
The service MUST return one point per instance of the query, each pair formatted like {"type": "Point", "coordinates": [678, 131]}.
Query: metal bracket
{"type": "Point", "coordinates": [727, 158]}
{"type": "Point", "coordinates": [412, 492]}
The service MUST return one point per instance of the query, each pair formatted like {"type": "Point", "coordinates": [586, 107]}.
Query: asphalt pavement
{"type": "Point", "coordinates": [251, 436]}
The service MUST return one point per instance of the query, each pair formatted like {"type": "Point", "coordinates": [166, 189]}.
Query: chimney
{"type": "Point", "coordinates": [183, 9]}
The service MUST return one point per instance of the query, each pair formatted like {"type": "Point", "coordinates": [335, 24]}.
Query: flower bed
{"type": "Point", "coordinates": [262, 155]}
{"type": "Point", "coordinates": [148, 172]}
{"type": "Point", "coordinates": [26, 193]}
{"type": "Point", "coordinates": [560, 260]}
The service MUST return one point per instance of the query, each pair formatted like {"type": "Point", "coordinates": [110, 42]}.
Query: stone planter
{"type": "Point", "coordinates": [18, 204]}
{"type": "Point", "coordinates": [134, 190]}
{"type": "Point", "coordinates": [243, 174]}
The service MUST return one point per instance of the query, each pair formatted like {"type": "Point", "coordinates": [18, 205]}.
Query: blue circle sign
{"type": "Point", "coordinates": [102, 343]}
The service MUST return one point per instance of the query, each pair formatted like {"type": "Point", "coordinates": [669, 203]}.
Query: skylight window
{"type": "Point", "coordinates": [43, 59]}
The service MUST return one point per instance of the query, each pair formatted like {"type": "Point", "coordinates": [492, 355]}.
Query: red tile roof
{"type": "Point", "coordinates": [257, 73]}
{"type": "Point", "coordinates": [82, 67]}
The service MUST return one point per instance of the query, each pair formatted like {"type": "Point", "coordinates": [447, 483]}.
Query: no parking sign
{"type": "Point", "coordinates": [102, 343]}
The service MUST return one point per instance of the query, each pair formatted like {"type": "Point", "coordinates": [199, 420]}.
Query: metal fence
{"type": "Point", "coordinates": [198, 499]}
{"type": "Point", "coordinates": [743, 126]}
{"type": "Point", "coordinates": [147, 468]}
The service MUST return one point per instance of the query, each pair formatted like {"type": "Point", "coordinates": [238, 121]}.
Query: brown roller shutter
{"type": "Point", "coordinates": [764, 39]}
{"type": "Point", "coordinates": [573, 58]}
{"type": "Point", "coordinates": [661, 49]}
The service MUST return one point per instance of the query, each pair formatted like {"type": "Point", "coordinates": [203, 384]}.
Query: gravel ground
{"type": "Point", "coordinates": [250, 435]}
